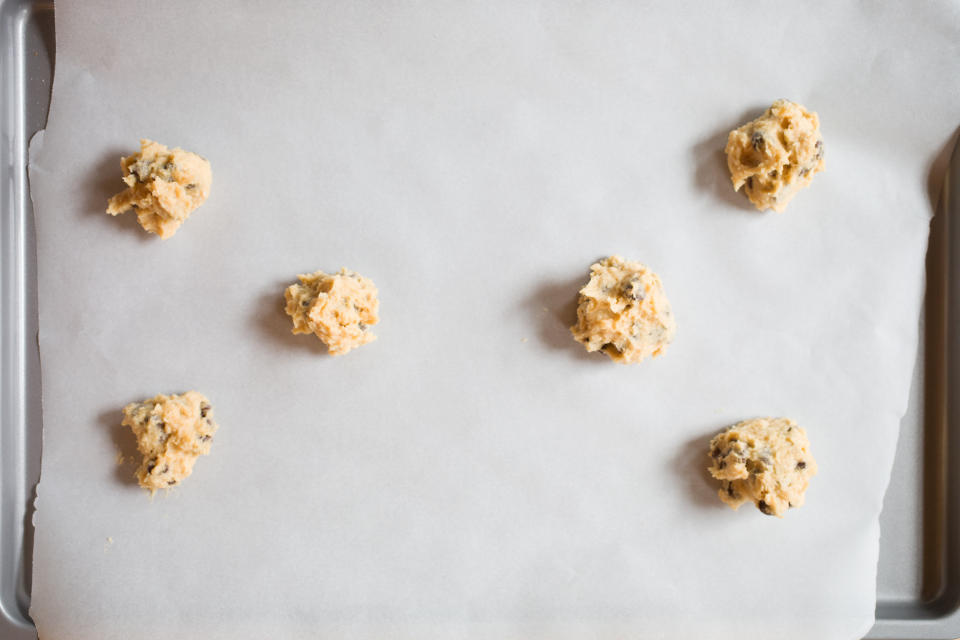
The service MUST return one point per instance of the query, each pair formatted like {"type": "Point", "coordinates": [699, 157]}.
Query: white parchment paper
{"type": "Point", "coordinates": [474, 473]}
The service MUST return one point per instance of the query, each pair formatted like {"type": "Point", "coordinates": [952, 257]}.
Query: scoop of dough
{"type": "Point", "coordinates": [338, 308]}
{"type": "Point", "coordinates": [766, 461]}
{"type": "Point", "coordinates": [164, 186]}
{"type": "Point", "coordinates": [624, 312]}
{"type": "Point", "coordinates": [776, 155]}
{"type": "Point", "coordinates": [172, 432]}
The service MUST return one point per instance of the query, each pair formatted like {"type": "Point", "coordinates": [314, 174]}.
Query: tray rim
{"type": "Point", "coordinates": [18, 403]}
{"type": "Point", "coordinates": [937, 613]}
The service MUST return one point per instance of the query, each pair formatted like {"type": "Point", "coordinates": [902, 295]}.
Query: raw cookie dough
{"type": "Point", "coordinates": [338, 308]}
{"type": "Point", "coordinates": [172, 431]}
{"type": "Point", "coordinates": [776, 155]}
{"type": "Point", "coordinates": [766, 461]}
{"type": "Point", "coordinates": [163, 185]}
{"type": "Point", "coordinates": [624, 312]}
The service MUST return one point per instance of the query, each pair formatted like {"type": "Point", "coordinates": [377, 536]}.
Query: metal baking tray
{"type": "Point", "coordinates": [918, 583]}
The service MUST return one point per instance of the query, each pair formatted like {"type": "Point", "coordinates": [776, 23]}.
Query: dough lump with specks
{"type": "Point", "coordinates": [164, 186]}
{"type": "Point", "coordinates": [624, 312]}
{"type": "Point", "coordinates": [775, 156]}
{"type": "Point", "coordinates": [766, 461]}
{"type": "Point", "coordinates": [172, 432]}
{"type": "Point", "coordinates": [338, 308]}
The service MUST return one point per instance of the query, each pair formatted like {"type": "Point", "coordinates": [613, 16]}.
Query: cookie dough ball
{"type": "Point", "coordinates": [624, 312]}
{"type": "Point", "coordinates": [164, 186]}
{"type": "Point", "coordinates": [776, 155]}
{"type": "Point", "coordinates": [172, 432]}
{"type": "Point", "coordinates": [766, 461]}
{"type": "Point", "coordinates": [338, 308]}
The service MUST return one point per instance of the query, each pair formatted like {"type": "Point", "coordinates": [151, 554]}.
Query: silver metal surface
{"type": "Point", "coordinates": [26, 70]}
{"type": "Point", "coordinates": [918, 583]}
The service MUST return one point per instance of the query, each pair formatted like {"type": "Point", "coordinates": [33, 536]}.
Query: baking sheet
{"type": "Point", "coordinates": [472, 473]}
